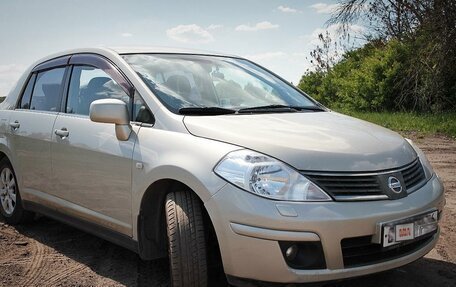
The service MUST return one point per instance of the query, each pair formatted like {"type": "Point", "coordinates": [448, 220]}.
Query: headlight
{"type": "Point", "coordinates": [428, 170]}
{"type": "Point", "coordinates": [265, 176]}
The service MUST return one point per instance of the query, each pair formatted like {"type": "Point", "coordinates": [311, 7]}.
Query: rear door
{"type": "Point", "coordinates": [91, 167]}
{"type": "Point", "coordinates": [31, 126]}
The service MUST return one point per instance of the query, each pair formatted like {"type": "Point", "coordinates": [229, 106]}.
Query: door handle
{"type": "Point", "coordinates": [15, 125]}
{"type": "Point", "coordinates": [62, 133]}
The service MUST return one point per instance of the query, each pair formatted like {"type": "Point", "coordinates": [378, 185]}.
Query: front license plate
{"type": "Point", "coordinates": [396, 232]}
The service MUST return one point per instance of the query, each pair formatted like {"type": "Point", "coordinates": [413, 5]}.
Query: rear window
{"type": "Point", "coordinates": [27, 95]}
{"type": "Point", "coordinates": [47, 90]}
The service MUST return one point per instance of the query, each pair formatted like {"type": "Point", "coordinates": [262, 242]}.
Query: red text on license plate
{"type": "Point", "coordinates": [404, 232]}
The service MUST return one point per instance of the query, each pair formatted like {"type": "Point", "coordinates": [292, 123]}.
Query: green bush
{"type": "Point", "coordinates": [386, 76]}
{"type": "Point", "coordinates": [363, 80]}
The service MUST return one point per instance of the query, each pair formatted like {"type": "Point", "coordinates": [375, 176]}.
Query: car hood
{"type": "Point", "coordinates": [313, 141]}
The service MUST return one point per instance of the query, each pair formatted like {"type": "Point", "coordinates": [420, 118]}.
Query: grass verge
{"type": "Point", "coordinates": [440, 123]}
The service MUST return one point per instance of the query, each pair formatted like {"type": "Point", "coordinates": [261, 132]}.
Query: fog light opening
{"type": "Point", "coordinates": [303, 255]}
{"type": "Point", "coordinates": [291, 252]}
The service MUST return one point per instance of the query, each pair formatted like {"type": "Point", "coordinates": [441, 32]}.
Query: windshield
{"type": "Point", "coordinates": [196, 82]}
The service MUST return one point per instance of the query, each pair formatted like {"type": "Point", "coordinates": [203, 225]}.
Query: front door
{"type": "Point", "coordinates": [91, 168]}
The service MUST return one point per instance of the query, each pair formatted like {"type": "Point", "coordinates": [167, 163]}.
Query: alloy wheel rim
{"type": "Point", "coordinates": [8, 196]}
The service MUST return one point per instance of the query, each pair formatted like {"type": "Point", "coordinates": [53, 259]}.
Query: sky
{"type": "Point", "coordinates": [278, 34]}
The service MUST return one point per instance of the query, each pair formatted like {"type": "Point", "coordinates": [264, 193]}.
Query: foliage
{"type": "Point", "coordinates": [386, 18]}
{"type": "Point", "coordinates": [363, 80]}
{"type": "Point", "coordinates": [408, 64]}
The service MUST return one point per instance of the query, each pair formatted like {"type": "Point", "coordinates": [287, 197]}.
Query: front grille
{"type": "Point", "coordinates": [340, 186]}
{"type": "Point", "coordinates": [366, 186]}
{"type": "Point", "coordinates": [360, 251]}
{"type": "Point", "coordinates": [413, 175]}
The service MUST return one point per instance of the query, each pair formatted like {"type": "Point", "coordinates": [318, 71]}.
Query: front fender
{"type": "Point", "coordinates": [182, 157]}
{"type": "Point", "coordinates": [203, 187]}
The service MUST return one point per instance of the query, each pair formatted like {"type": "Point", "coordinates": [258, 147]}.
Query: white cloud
{"type": "Point", "coordinates": [9, 74]}
{"type": "Point", "coordinates": [265, 25]}
{"type": "Point", "coordinates": [189, 34]}
{"type": "Point", "coordinates": [214, 27]}
{"type": "Point", "coordinates": [286, 9]}
{"type": "Point", "coordinates": [324, 8]}
{"type": "Point", "coordinates": [266, 56]}
{"type": "Point", "coordinates": [126, 35]}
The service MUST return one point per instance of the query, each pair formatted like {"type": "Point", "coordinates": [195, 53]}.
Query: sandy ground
{"type": "Point", "coordinates": [47, 253]}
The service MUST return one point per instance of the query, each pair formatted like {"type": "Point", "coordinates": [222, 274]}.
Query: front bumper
{"type": "Point", "coordinates": [249, 229]}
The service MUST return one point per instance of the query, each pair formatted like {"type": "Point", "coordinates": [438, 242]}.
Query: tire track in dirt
{"type": "Point", "coordinates": [57, 278]}
{"type": "Point", "coordinates": [15, 262]}
{"type": "Point", "coordinates": [38, 265]}
{"type": "Point", "coordinates": [25, 261]}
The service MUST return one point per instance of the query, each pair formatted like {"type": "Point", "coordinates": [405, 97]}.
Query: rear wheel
{"type": "Point", "coordinates": [186, 239]}
{"type": "Point", "coordinates": [10, 199]}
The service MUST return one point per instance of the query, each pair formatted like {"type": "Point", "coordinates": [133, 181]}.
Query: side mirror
{"type": "Point", "coordinates": [112, 111]}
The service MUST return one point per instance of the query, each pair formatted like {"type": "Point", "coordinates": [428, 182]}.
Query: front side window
{"type": "Point", "coordinates": [46, 94]}
{"type": "Point", "coordinates": [89, 84]}
{"type": "Point", "coordinates": [141, 112]}
{"type": "Point", "coordinates": [196, 81]}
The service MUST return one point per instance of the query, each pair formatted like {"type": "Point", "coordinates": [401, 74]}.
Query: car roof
{"type": "Point", "coordinates": [165, 50]}
{"type": "Point", "coordinates": [132, 50]}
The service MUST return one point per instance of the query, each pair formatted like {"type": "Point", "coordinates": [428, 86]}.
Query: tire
{"type": "Point", "coordinates": [186, 240]}
{"type": "Point", "coordinates": [10, 198]}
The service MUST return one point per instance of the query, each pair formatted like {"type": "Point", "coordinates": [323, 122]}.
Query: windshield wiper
{"type": "Point", "coordinates": [309, 108]}
{"type": "Point", "coordinates": [280, 108]}
{"type": "Point", "coordinates": [207, 111]}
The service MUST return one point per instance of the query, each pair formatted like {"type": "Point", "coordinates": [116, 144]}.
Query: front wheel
{"type": "Point", "coordinates": [10, 199]}
{"type": "Point", "coordinates": [186, 240]}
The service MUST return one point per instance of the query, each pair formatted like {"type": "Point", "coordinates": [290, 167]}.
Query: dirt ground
{"type": "Point", "coordinates": [47, 253]}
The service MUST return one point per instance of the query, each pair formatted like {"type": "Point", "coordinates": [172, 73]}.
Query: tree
{"type": "Point", "coordinates": [385, 18]}
{"type": "Point", "coordinates": [325, 55]}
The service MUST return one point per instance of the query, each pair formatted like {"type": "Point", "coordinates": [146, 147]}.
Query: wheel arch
{"type": "Point", "coordinates": [151, 219]}
{"type": "Point", "coordinates": [5, 153]}
{"type": "Point", "coordinates": [151, 229]}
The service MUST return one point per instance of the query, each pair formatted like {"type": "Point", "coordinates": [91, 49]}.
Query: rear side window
{"type": "Point", "coordinates": [46, 93]}
{"type": "Point", "coordinates": [27, 95]}
{"type": "Point", "coordinates": [89, 84]}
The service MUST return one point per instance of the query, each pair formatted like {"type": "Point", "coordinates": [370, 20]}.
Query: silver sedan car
{"type": "Point", "coordinates": [186, 155]}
